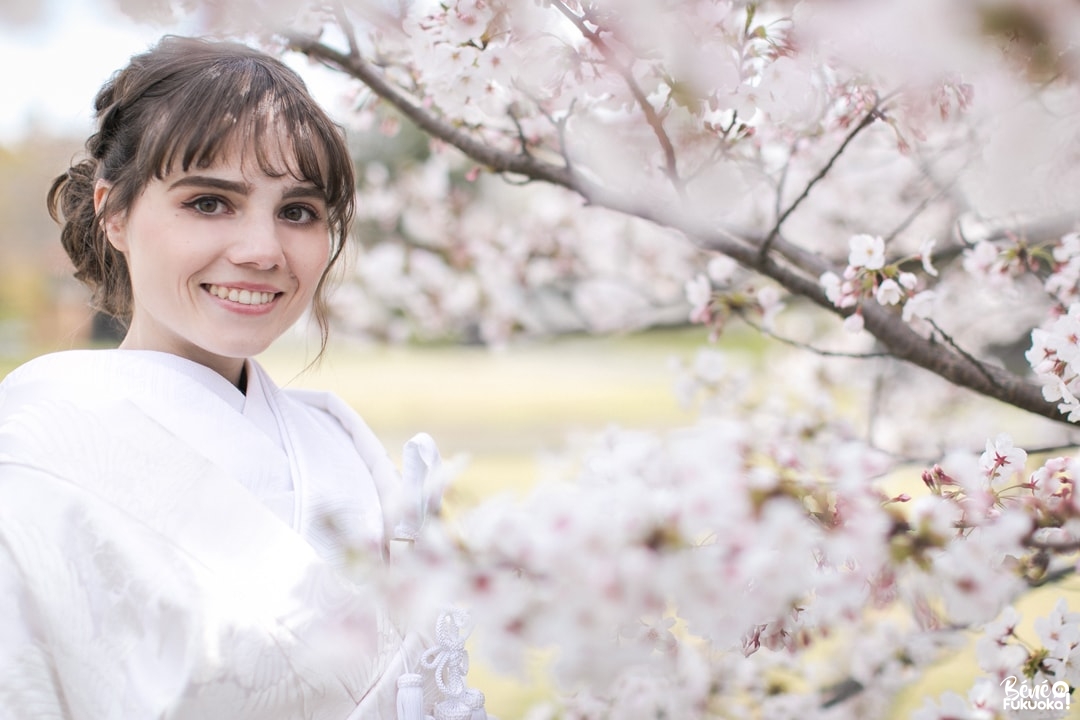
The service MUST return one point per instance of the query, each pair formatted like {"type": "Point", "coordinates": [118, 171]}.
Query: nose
{"type": "Point", "coordinates": [256, 243]}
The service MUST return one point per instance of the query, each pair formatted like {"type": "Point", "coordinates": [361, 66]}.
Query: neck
{"type": "Point", "coordinates": [241, 383]}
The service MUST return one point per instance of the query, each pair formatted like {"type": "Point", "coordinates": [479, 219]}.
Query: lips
{"type": "Point", "coordinates": [244, 296]}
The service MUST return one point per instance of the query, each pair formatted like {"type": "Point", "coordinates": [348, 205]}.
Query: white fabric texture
{"type": "Point", "coordinates": [169, 548]}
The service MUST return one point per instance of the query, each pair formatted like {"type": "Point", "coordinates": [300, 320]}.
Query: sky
{"type": "Point", "coordinates": [54, 65]}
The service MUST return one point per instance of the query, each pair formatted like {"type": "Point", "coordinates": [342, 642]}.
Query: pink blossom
{"type": "Point", "coordinates": [854, 323]}
{"type": "Point", "coordinates": [1002, 460]}
{"type": "Point", "coordinates": [982, 259]}
{"type": "Point", "coordinates": [699, 294]}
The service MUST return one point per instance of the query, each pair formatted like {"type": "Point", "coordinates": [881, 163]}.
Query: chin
{"type": "Point", "coordinates": [238, 351]}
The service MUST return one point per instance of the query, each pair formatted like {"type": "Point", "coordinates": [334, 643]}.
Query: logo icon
{"type": "Point", "coordinates": [1021, 695]}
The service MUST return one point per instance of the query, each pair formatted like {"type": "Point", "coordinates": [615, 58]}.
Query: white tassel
{"type": "Point", "coordinates": [410, 697]}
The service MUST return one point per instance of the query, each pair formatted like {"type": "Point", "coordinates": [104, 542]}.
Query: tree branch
{"type": "Point", "coordinates": [963, 353]}
{"type": "Point", "coordinates": [793, 267]}
{"type": "Point", "coordinates": [806, 346]}
{"type": "Point", "coordinates": [1058, 547]}
{"type": "Point", "coordinates": [488, 156]}
{"type": "Point", "coordinates": [347, 28]}
{"type": "Point", "coordinates": [1054, 576]}
{"type": "Point", "coordinates": [651, 117]}
{"type": "Point", "coordinates": [870, 116]}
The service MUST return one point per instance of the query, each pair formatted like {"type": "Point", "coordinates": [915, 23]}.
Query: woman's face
{"type": "Point", "coordinates": [222, 260]}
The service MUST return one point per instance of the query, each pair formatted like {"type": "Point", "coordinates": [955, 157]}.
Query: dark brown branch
{"type": "Point", "coordinates": [488, 156]}
{"type": "Point", "coordinates": [793, 267]}
{"type": "Point", "coordinates": [981, 367]}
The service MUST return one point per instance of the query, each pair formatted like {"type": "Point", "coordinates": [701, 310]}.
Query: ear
{"type": "Point", "coordinates": [112, 223]}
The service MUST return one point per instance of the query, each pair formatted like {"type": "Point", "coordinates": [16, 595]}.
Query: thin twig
{"type": "Point", "coordinates": [869, 118]}
{"type": "Point", "coordinates": [926, 461]}
{"type": "Point", "coordinates": [651, 116]}
{"type": "Point", "coordinates": [913, 215]}
{"type": "Point", "coordinates": [804, 346]}
{"type": "Point", "coordinates": [491, 157]}
{"type": "Point", "coordinates": [348, 29]}
{"type": "Point", "coordinates": [964, 353]}
{"type": "Point", "coordinates": [781, 182]}
{"type": "Point", "coordinates": [520, 132]}
{"type": "Point", "coordinates": [1053, 577]}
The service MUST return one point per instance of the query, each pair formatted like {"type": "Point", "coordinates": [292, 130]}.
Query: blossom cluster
{"type": "Point", "coordinates": [867, 275]}
{"type": "Point", "coordinates": [742, 99]}
{"type": "Point", "coordinates": [1055, 357]}
{"type": "Point", "coordinates": [691, 572]}
{"type": "Point", "coordinates": [721, 292]}
{"type": "Point", "coordinates": [476, 260]}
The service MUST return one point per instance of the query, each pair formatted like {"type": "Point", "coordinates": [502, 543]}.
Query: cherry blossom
{"type": "Point", "coordinates": [888, 292]}
{"type": "Point", "coordinates": [892, 197]}
{"type": "Point", "coordinates": [867, 251]}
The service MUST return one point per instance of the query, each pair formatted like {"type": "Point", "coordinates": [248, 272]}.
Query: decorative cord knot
{"type": "Point", "coordinates": [449, 661]}
{"type": "Point", "coordinates": [448, 658]}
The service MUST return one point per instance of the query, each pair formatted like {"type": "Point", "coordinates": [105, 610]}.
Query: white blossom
{"type": "Point", "coordinates": [867, 251]}
{"type": "Point", "coordinates": [926, 255]}
{"type": "Point", "coordinates": [888, 292]}
{"type": "Point", "coordinates": [854, 323]}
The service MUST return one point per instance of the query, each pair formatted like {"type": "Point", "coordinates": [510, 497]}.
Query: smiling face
{"type": "Point", "coordinates": [223, 259]}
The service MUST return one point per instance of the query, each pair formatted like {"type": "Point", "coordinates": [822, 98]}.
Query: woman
{"type": "Point", "coordinates": [172, 525]}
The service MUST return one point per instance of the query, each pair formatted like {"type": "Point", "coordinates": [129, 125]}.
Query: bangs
{"type": "Point", "coordinates": [240, 103]}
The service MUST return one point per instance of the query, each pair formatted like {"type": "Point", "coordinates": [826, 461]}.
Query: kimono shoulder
{"type": "Point", "coordinates": [139, 578]}
{"type": "Point", "coordinates": [407, 497]}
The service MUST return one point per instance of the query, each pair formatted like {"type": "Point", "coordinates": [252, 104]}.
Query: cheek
{"type": "Point", "coordinates": [309, 263]}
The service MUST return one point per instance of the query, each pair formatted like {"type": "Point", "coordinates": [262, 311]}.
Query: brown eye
{"type": "Point", "coordinates": [298, 214]}
{"type": "Point", "coordinates": [207, 205]}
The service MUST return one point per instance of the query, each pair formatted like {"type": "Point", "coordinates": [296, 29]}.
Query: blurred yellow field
{"type": "Point", "coordinates": [501, 408]}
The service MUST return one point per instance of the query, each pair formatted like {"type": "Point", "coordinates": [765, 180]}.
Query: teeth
{"type": "Point", "coordinates": [244, 297]}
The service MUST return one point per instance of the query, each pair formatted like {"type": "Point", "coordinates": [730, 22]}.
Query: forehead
{"type": "Point", "coordinates": [271, 153]}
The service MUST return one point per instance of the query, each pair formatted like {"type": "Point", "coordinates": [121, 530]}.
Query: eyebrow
{"type": "Point", "coordinates": [242, 188]}
{"type": "Point", "coordinates": [304, 191]}
{"type": "Point", "coordinates": [205, 181]}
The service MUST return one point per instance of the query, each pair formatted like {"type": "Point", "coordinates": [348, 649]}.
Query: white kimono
{"type": "Point", "coordinates": [169, 547]}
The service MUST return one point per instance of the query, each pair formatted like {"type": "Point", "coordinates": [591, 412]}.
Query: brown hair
{"type": "Point", "coordinates": [183, 104]}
